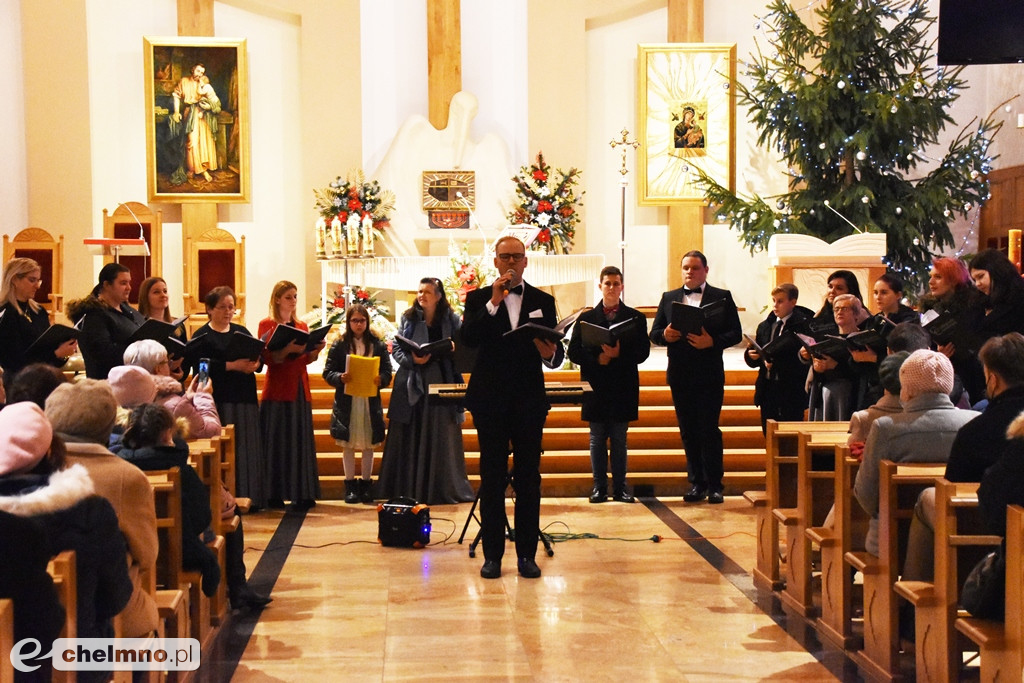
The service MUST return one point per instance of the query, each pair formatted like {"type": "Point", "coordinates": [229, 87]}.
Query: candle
{"type": "Point", "coordinates": [1014, 248]}
{"type": "Point", "coordinates": [336, 235]}
{"type": "Point", "coordinates": [320, 236]}
{"type": "Point", "coordinates": [352, 234]}
{"type": "Point", "coordinates": [367, 235]}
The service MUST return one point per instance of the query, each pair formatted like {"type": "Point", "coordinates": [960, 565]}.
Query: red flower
{"type": "Point", "coordinates": [540, 175]}
{"type": "Point", "coordinates": [544, 205]}
{"type": "Point", "coordinates": [467, 273]}
{"type": "Point", "coordinates": [544, 236]}
{"type": "Point", "coordinates": [353, 192]}
{"type": "Point", "coordinates": [354, 204]}
{"type": "Point", "coordinates": [566, 211]}
{"type": "Point", "coordinates": [362, 295]}
{"type": "Point", "coordinates": [339, 302]}
{"type": "Point", "coordinates": [464, 290]}
{"type": "Point", "coordinates": [343, 216]}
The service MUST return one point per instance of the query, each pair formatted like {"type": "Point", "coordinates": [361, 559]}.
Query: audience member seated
{"type": "Point", "coordinates": [889, 404]}
{"type": "Point", "coordinates": [83, 415]}
{"type": "Point", "coordinates": [38, 613]}
{"type": "Point", "coordinates": [34, 485]}
{"type": "Point", "coordinates": [34, 383]}
{"type": "Point", "coordinates": [195, 406]}
{"type": "Point", "coordinates": [1003, 483]}
{"type": "Point", "coordinates": [923, 432]}
{"type": "Point", "coordinates": [150, 442]}
{"type": "Point", "coordinates": [978, 445]}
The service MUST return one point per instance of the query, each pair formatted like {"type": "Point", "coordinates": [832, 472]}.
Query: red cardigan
{"type": "Point", "coordinates": [283, 379]}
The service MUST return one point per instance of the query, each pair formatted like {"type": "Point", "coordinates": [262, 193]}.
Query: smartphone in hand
{"type": "Point", "coordinates": [204, 371]}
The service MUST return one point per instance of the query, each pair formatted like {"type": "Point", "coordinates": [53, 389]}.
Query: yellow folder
{"type": "Point", "coordinates": [361, 370]}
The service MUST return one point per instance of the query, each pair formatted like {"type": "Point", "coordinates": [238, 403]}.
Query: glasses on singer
{"type": "Point", "coordinates": [511, 257]}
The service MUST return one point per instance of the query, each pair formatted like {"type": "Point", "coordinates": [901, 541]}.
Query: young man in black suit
{"type": "Point", "coordinates": [507, 399]}
{"type": "Point", "coordinates": [779, 390]}
{"type": "Point", "coordinates": [615, 380]}
{"type": "Point", "coordinates": [696, 374]}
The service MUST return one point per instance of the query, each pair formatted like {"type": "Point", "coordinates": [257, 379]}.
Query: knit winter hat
{"type": "Point", "coordinates": [83, 411]}
{"type": "Point", "coordinates": [889, 371]}
{"type": "Point", "coordinates": [25, 436]}
{"type": "Point", "coordinates": [926, 372]}
{"type": "Point", "coordinates": [132, 385]}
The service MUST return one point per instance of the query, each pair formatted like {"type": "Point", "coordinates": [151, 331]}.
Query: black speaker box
{"type": "Point", "coordinates": [403, 523]}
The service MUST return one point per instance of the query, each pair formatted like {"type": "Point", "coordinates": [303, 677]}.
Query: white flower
{"type": "Point", "coordinates": [543, 219]}
{"type": "Point", "coordinates": [543, 191]}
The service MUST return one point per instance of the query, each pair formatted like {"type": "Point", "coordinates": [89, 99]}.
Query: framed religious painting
{"type": "Point", "coordinates": [687, 120]}
{"type": "Point", "coordinates": [197, 119]}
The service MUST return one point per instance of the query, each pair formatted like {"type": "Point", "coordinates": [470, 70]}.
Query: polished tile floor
{"type": "Point", "coordinates": [611, 604]}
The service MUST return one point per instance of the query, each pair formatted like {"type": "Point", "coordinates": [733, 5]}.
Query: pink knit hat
{"type": "Point", "coordinates": [926, 372]}
{"type": "Point", "coordinates": [132, 385]}
{"type": "Point", "coordinates": [25, 436]}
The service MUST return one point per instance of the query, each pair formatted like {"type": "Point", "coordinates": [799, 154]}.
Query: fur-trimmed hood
{"type": "Point", "coordinates": [166, 386]}
{"type": "Point", "coordinates": [1016, 428]}
{"type": "Point", "coordinates": [79, 307]}
{"type": "Point", "coordinates": [64, 489]}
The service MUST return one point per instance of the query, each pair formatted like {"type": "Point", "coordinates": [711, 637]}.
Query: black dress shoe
{"type": "Point", "coordinates": [491, 569]}
{"type": "Point", "coordinates": [696, 494]}
{"type": "Point", "coordinates": [275, 504]}
{"type": "Point", "coordinates": [247, 598]}
{"type": "Point", "coordinates": [716, 498]}
{"type": "Point", "coordinates": [624, 497]}
{"type": "Point", "coordinates": [598, 495]}
{"type": "Point", "coordinates": [528, 569]}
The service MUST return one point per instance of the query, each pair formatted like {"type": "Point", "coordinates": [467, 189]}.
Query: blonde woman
{"type": "Point", "coordinates": [286, 410]}
{"type": "Point", "coordinates": [24, 320]}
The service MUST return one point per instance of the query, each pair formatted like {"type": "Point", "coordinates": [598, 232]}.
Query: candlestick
{"type": "Point", "coordinates": [336, 235]}
{"type": "Point", "coordinates": [1014, 248]}
{"type": "Point", "coordinates": [320, 236]}
{"type": "Point", "coordinates": [367, 234]}
{"type": "Point", "coordinates": [352, 234]}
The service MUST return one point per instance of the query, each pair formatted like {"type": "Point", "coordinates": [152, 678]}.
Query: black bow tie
{"type": "Point", "coordinates": [687, 292]}
{"type": "Point", "coordinates": [518, 289]}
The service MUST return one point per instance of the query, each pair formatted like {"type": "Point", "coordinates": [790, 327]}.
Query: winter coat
{"type": "Point", "coordinates": [334, 367]}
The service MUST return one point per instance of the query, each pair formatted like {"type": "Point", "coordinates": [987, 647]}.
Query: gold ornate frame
{"type": "Point", "coordinates": [167, 62]}
{"type": "Point", "coordinates": [673, 78]}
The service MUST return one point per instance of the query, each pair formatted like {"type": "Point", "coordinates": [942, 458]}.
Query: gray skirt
{"type": "Point", "coordinates": [250, 465]}
{"type": "Point", "coordinates": [290, 449]}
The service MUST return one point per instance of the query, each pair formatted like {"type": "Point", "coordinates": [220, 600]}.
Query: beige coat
{"type": "Point", "coordinates": [129, 492]}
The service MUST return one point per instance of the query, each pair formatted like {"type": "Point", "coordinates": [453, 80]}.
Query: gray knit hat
{"type": "Point", "coordinates": [83, 411]}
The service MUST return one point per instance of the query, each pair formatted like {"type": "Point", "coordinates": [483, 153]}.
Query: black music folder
{"type": "Point", "coordinates": [161, 331]}
{"type": "Point", "coordinates": [283, 334]}
{"type": "Point", "coordinates": [440, 348]}
{"type": "Point", "coordinates": [51, 339]}
{"type": "Point", "coordinates": [243, 345]}
{"type": "Point", "coordinates": [690, 319]}
{"type": "Point", "coordinates": [945, 328]}
{"type": "Point", "coordinates": [830, 346]}
{"type": "Point", "coordinates": [552, 334]}
{"type": "Point", "coordinates": [596, 335]}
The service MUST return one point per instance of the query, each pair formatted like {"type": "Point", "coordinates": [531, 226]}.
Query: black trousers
{"type": "Point", "coordinates": [522, 430]}
{"type": "Point", "coordinates": [698, 404]}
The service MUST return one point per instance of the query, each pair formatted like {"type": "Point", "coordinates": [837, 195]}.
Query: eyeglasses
{"type": "Point", "coordinates": [32, 280]}
{"type": "Point", "coordinates": [357, 321]}
{"type": "Point", "coordinates": [511, 257]}
{"type": "Point", "coordinates": [224, 308]}
{"type": "Point", "coordinates": [837, 309]}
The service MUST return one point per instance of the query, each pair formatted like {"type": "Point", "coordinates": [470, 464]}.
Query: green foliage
{"type": "Point", "coordinates": [851, 108]}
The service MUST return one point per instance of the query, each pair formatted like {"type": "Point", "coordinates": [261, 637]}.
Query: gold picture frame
{"type": "Point", "coordinates": [687, 119]}
{"type": "Point", "coordinates": [204, 155]}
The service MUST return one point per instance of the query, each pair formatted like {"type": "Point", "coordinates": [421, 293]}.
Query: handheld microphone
{"type": "Point", "coordinates": [511, 273]}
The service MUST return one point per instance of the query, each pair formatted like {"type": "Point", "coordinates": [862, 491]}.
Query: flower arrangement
{"type": "Point", "coordinates": [353, 210]}
{"type": "Point", "coordinates": [467, 273]}
{"type": "Point", "coordinates": [380, 324]}
{"type": "Point", "coordinates": [549, 201]}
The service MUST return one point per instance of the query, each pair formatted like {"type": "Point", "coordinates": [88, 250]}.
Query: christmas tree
{"type": "Point", "coordinates": [854, 106]}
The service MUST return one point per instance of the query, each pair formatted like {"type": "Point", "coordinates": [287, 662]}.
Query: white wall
{"type": "Point", "coordinates": [273, 222]}
{"type": "Point", "coordinates": [14, 188]}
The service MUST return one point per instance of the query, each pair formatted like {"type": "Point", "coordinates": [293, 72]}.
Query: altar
{"type": "Point", "coordinates": [403, 273]}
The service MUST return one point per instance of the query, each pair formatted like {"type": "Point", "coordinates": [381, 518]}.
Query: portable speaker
{"type": "Point", "coordinates": [403, 523]}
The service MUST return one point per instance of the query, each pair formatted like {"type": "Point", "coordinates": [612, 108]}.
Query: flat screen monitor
{"type": "Point", "coordinates": [981, 31]}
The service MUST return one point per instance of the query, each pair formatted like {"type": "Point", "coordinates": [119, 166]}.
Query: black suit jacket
{"type": "Point", "coordinates": [507, 373]}
{"type": "Point", "coordinates": [699, 363]}
{"type": "Point", "coordinates": [789, 373]}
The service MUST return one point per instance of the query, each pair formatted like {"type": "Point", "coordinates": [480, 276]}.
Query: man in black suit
{"type": "Point", "coordinates": [781, 378]}
{"type": "Point", "coordinates": [507, 399]}
{"type": "Point", "coordinates": [696, 374]}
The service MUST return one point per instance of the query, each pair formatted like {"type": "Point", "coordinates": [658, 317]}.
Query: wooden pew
{"type": "Point", "coordinates": [6, 640]}
{"type": "Point", "coordinates": [205, 457]}
{"type": "Point", "coordinates": [899, 486]}
{"type": "Point", "coordinates": [815, 490]}
{"type": "Point", "coordinates": [63, 570]}
{"type": "Point", "coordinates": [167, 495]}
{"type": "Point", "coordinates": [959, 544]}
{"type": "Point", "coordinates": [1002, 643]}
{"type": "Point", "coordinates": [780, 491]}
{"type": "Point", "coordinates": [850, 523]}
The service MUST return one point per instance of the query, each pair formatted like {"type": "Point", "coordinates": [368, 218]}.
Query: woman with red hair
{"type": "Point", "coordinates": [951, 292]}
